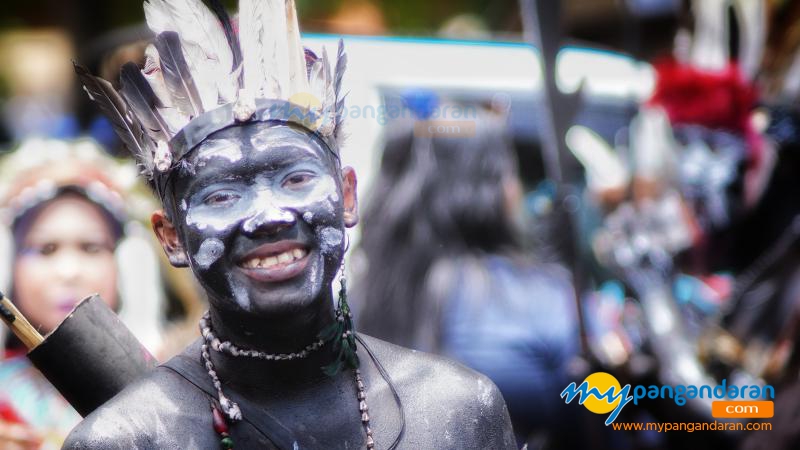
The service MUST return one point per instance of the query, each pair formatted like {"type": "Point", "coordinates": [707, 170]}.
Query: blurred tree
{"type": "Point", "coordinates": [419, 17]}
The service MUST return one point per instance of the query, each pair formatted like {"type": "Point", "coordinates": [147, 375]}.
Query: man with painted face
{"type": "Point", "coordinates": [238, 132]}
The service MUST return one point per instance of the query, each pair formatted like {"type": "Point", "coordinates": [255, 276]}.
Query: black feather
{"type": "Point", "coordinates": [177, 75]}
{"type": "Point", "coordinates": [341, 66]}
{"type": "Point", "coordinates": [113, 106]}
{"type": "Point", "coordinates": [143, 101]}
{"type": "Point", "coordinates": [230, 34]}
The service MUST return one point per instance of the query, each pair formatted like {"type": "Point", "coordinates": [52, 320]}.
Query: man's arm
{"type": "Point", "coordinates": [493, 428]}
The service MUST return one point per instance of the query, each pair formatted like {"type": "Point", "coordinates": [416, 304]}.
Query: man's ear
{"type": "Point", "coordinates": [168, 237]}
{"type": "Point", "coordinates": [349, 184]}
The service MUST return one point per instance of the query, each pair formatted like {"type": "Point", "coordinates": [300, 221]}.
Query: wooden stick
{"type": "Point", "coordinates": [19, 324]}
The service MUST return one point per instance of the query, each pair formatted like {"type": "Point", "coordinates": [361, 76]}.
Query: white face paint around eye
{"type": "Point", "coordinates": [210, 251]}
{"type": "Point", "coordinates": [324, 188]}
{"type": "Point", "coordinates": [323, 191]}
{"type": "Point", "coordinates": [267, 200]}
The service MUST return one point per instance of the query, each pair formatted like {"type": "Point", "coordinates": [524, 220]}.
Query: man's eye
{"type": "Point", "coordinates": [221, 198]}
{"type": "Point", "coordinates": [297, 180]}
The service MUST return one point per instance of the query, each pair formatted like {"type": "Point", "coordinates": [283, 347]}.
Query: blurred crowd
{"type": "Point", "coordinates": [672, 258]}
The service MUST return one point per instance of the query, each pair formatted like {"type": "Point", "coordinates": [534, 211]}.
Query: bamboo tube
{"type": "Point", "coordinates": [19, 324]}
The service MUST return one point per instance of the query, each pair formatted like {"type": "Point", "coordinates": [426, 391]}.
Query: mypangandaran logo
{"type": "Point", "coordinates": [601, 393]}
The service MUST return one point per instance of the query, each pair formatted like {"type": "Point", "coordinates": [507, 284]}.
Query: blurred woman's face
{"type": "Point", "coordinates": [66, 255]}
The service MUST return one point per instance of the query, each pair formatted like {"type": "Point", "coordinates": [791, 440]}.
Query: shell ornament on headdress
{"type": "Point", "coordinates": [203, 73]}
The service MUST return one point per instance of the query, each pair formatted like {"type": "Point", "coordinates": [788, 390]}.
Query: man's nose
{"type": "Point", "coordinates": [269, 219]}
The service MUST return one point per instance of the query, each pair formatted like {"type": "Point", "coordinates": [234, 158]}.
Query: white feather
{"type": "Point", "coordinates": [321, 86]}
{"type": "Point", "coordinates": [157, 16]}
{"type": "Point", "coordinates": [328, 98]}
{"type": "Point", "coordinates": [204, 79]}
{"type": "Point", "coordinates": [298, 77]}
{"type": "Point", "coordinates": [265, 54]}
{"type": "Point", "coordinates": [204, 44]}
{"type": "Point", "coordinates": [152, 73]}
{"type": "Point", "coordinates": [317, 82]}
{"type": "Point", "coordinates": [174, 118]}
{"type": "Point", "coordinates": [250, 31]}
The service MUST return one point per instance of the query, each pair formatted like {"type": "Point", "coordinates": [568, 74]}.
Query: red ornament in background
{"type": "Point", "coordinates": [9, 415]}
{"type": "Point", "coordinates": [719, 99]}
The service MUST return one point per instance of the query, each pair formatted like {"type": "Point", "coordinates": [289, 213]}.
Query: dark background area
{"type": "Point", "coordinates": [617, 24]}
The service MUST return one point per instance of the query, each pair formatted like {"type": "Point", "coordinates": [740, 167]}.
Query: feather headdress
{"type": "Point", "coordinates": [203, 74]}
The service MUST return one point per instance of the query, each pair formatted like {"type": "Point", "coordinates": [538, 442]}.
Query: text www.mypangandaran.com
{"type": "Point", "coordinates": [691, 427]}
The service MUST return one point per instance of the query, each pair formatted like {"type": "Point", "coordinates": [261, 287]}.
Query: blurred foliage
{"type": "Point", "coordinates": [424, 16]}
{"type": "Point", "coordinates": [403, 17]}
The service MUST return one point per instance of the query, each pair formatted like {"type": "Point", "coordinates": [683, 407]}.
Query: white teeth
{"type": "Point", "coordinates": [268, 262]}
{"type": "Point", "coordinates": [283, 258]}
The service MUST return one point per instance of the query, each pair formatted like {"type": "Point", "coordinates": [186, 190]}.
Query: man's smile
{"type": "Point", "coordinates": [275, 262]}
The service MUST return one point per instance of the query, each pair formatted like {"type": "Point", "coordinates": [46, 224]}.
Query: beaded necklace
{"type": "Point", "coordinates": [339, 333]}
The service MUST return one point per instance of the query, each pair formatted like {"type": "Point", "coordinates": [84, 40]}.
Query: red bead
{"type": "Point", "coordinates": [220, 425]}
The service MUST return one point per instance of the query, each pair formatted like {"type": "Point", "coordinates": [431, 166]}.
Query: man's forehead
{"type": "Point", "coordinates": [277, 141]}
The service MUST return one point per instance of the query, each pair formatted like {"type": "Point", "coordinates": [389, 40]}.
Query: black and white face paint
{"type": "Point", "coordinates": [259, 211]}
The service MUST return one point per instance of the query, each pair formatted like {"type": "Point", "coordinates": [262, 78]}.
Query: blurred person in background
{"type": "Point", "coordinates": [359, 17]}
{"type": "Point", "coordinates": [67, 233]}
{"type": "Point", "coordinates": [38, 81]}
{"type": "Point", "coordinates": [446, 271]}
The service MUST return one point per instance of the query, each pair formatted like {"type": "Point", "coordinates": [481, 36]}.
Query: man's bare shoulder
{"type": "Point", "coordinates": [444, 396]}
{"type": "Point", "coordinates": [160, 410]}
{"type": "Point", "coordinates": [446, 405]}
